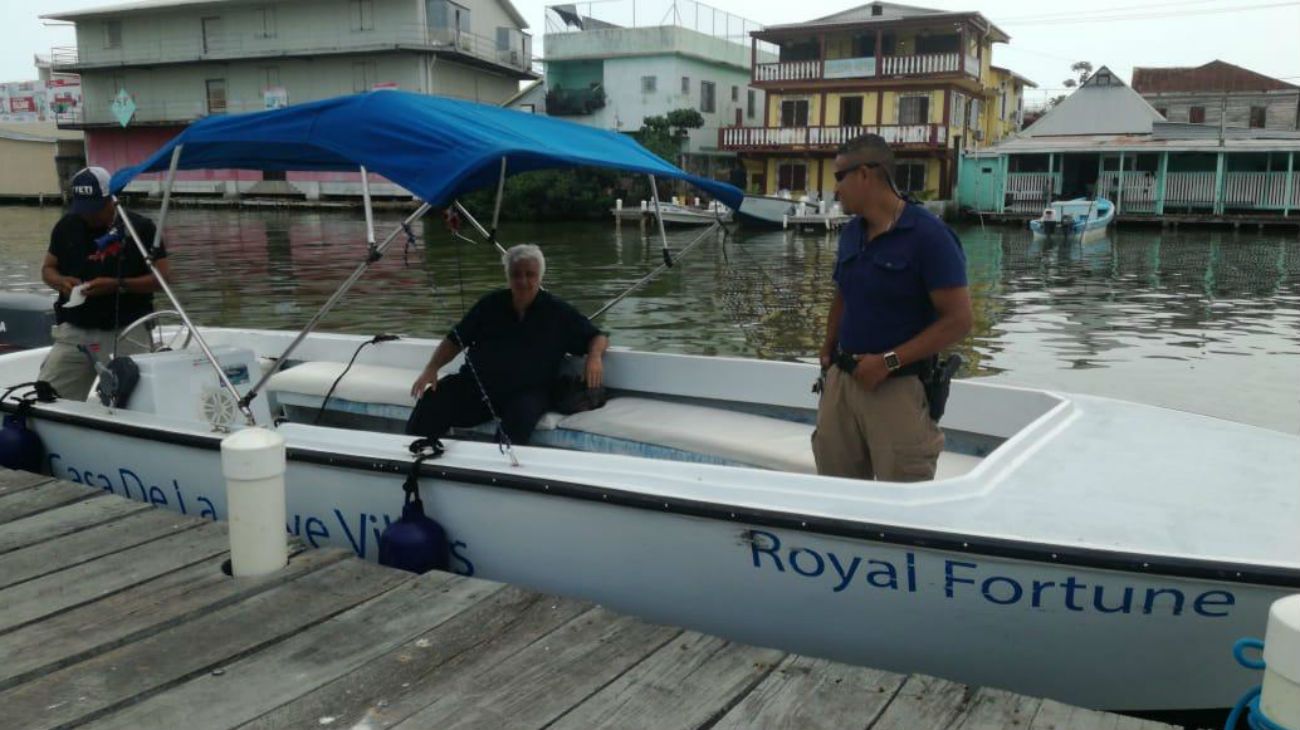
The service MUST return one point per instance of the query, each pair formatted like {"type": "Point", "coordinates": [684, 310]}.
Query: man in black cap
{"type": "Point", "coordinates": [102, 281]}
{"type": "Point", "coordinates": [900, 299]}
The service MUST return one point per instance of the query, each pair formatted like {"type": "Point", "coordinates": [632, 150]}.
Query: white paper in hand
{"type": "Point", "coordinates": [76, 297]}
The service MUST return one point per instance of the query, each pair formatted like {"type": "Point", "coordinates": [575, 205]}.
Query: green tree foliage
{"type": "Point", "coordinates": [585, 193]}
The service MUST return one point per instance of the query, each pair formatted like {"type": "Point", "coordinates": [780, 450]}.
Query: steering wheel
{"type": "Point", "coordinates": [182, 336]}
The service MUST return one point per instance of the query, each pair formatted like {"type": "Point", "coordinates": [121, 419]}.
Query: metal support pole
{"type": "Point", "coordinates": [658, 269]}
{"type": "Point", "coordinates": [501, 188]}
{"type": "Point", "coordinates": [663, 235]}
{"type": "Point", "coordinates": [1119, 185]}
{"type": "Point", "coordinates": [370, 213]}
{"type": "Point", "coordinates": [1219, 177]}
{"type": "Point", "coordinates": [478, 226]}
{"type": "Point", "coordinates": [171, 296]}
{"type": "Point", "coordinates": [167, 195]}
{"type": "Point", "coordinates": [333, 300]}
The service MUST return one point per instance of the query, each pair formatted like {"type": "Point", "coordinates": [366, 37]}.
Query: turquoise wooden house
{"type": "Point", "coordinates": [1105, 139]}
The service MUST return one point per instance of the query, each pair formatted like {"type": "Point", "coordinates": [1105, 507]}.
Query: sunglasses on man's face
{"type": "Point", "coordinates": [841, 174]}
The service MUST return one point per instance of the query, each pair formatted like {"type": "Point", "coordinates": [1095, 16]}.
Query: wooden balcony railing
{"type": "Point", "coordinates": [842, 68]}
{"type": "Point", "coordinates": [752, 138]}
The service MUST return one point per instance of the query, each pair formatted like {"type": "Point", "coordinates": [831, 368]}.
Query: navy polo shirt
{"type": "Point", "coordinates": [512, 354]}
{"type": "Point", "coordinates": [886, 283]}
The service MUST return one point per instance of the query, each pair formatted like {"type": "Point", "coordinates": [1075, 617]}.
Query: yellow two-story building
{"type": "Point", "coordinates": [923, 79]}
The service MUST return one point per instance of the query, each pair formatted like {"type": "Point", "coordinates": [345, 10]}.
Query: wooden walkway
{"type": "Point", "coordinates": [114, 614]}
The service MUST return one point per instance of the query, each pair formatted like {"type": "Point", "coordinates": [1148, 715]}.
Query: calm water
{"type": "Point", "coordinates": [1206, 321]}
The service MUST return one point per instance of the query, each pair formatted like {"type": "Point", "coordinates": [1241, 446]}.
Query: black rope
{"type": "Point", "coordinates": [372, 341]}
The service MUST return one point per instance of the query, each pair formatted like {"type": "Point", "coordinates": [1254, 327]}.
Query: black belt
{"type": "Point", "coordinates": [848, 362]}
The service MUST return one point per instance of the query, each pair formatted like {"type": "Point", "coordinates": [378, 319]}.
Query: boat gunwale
{"type": "Point", "coordinates": [937, 540]}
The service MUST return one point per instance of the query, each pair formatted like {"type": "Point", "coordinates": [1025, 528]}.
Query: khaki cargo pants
{"type": "Point", "coordinates": [883, 434]}
{"type": "Point", "coordinates": [68, 369]}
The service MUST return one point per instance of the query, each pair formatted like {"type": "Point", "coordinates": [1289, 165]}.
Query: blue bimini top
{"type": "Point", "coordinates": [435, 147]}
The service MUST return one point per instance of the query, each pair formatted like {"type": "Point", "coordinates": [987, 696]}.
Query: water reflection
{"type": "Point", "coordinates": [1121, 304]}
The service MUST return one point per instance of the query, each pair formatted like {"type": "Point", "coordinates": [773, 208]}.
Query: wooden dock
{"type": "Point", "coordinates": [115, 614]}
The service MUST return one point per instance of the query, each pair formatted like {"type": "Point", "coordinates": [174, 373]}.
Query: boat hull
{"type": "Point", "coordinates": [875, 595]}
{"type": "Point", "coordinates": [765, 211]}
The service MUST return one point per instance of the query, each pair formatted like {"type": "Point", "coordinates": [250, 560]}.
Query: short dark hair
{"type": "Point", "coordinates": [871, 148]}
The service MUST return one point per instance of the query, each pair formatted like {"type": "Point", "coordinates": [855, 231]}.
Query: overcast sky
{"type": "Point", "coordinates": [1262, 35]}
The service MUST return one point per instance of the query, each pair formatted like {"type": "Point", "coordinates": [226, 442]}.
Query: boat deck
{"type": "Point", "coordinates": [118, 614]}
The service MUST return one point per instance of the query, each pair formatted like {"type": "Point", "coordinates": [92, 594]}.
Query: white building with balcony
{"type": "Point", "coordinates": [643, 58]}
{"type": "Point", "coordinates": [150, 68]}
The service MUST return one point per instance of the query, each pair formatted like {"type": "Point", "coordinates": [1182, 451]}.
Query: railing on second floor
{"type": "Point", "coordinates": [187, 47]}
{"type": "Point", "coordinates": [866, 66]}
{"type": "Point", "coordinates": [574, 102]}
{"type": "Point", "coordinates": [743, 138]}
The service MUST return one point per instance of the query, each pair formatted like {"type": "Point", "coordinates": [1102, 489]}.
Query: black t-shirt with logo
{"type": "Point", "coordinates": [72, 242]}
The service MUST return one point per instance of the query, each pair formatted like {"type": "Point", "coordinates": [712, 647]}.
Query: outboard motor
{"type": "Point", "coordinates": [416, 543]}
{"type": "Point", "coordinates": [25, 321]}
{"type": "Point", "coordinates": [1049, 221]}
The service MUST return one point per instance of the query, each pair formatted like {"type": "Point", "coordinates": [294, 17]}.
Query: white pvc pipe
{"type": "Point", "coordinates": [253, 463]}
{"type": "Point", "coordinates": [1279, 697]}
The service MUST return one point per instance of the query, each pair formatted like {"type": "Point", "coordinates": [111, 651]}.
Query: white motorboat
{"type": "Point", "coordinates": [675, 214]}
{"type": "Point", "coordinates": [1083, 218]}
{"type": "Point", "coordinates": [1095, 551]}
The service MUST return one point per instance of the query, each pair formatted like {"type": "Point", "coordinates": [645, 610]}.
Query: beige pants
{"type": "Point", "coordinates": [68, 369]}
{"type": "Point", "coordinates": [883, 434]}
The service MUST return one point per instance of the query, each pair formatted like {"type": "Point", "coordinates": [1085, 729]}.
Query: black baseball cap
{"type": "Point", "coordinates": [89, 190]}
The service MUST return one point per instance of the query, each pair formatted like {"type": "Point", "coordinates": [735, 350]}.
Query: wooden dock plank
{"type": "Point", "coordinates": [93, 542]}
{"type": "Point", "coordinates": [685, 684]}
{"type": "Point", "coordinates": [136, 671]}
{"type": "Point", "coordinates": [924, 702]}
{"type": "Point", "coordinates": [814, 694]}
{"type": "Point", "coordinates": [540, 683]}
{"type": "Point", "coordinates": [42, 497]}
{"type": "Point", "coordinates": [166, 601]}
{"type": "Point", "coordinates": [1053, 715]}
{"type": "Point", "coordinates": [15, 481]}
{"type": "Point", "coordinates": [53, 594]}
{"type": "Point", "coordinates": [65, 520]}
{"type": "Point", "coordinates": [995, 709]}
{"type": "Point", "coordinates": [317, 656]}
{"type": "Point", "coordinates": [396, 685]}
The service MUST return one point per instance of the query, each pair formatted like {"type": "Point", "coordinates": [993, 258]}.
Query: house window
{"type": "Point", "coordinates": [751, 103]}
{"type": "Point", "coordinates": [1258, 116]}
{"type": "Point", "coordinates": [364, 76]}
{"type": "Point", "coordinates": [216, 96]}
{"type": "Point", "coordinates": [267, 17]}
{"type": "Point", "coordinates": [794, 113]}
{"type": "Point", "coordinates": [113, 34]}
{"type": "Point", "coordinates": [914, 110]}
{"type": "Point", "coordinates": [686, 85]}
{"type": "Point", "coordinates": [648, 84]}
{"type": "Point", "coordinates": [910, 176]}
{"type": "Point", "coordinates": [791, 176]}
{"type": "Point", "coordinates": [1196, 115]}
{"type": "Point", "coordinates": [708, 97]}
{"type": "Point", "coordinates": [735, 93]}
{"type": "Point", "coordinates": [363, 14]}
{"type": "Point", "coordinates": [850, 111]}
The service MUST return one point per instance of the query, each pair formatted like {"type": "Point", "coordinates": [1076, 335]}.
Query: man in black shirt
{"type": "Point", "coordinates": [517, 339]}
{"type": "Point", "coordinates": [102, 281]}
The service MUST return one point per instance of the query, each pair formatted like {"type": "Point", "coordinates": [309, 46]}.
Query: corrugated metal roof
{"type": "Point", "coordinates": [888, 13]}
{"type": "Point", "coordinates": [1113, 143]}
{"type": "Point", "coordinates": [1103, 105]}
{"type": "Point", "coordinates": [1213, 77]}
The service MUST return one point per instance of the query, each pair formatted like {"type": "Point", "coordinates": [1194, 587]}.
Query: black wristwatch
{"type": "Point", "coordinates": [891, 361]}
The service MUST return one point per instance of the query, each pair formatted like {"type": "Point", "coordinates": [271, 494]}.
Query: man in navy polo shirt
{"type": "Point", "coordinates": [900, 299]}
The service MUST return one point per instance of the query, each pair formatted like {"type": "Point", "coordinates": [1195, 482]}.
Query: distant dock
{"type": "Point", "coordinates": [118, 614]}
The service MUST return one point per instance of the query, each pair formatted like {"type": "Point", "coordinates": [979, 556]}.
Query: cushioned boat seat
{"type": "Point", "coordinates": [624, 425]}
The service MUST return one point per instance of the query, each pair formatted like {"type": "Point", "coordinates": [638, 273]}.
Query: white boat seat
{"type": "Point", "coordinates": [744, 438]}
{"type": "Point", "coordinates": [681, 429]}
{"type": "Point", "coordinates": [369, 390]}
